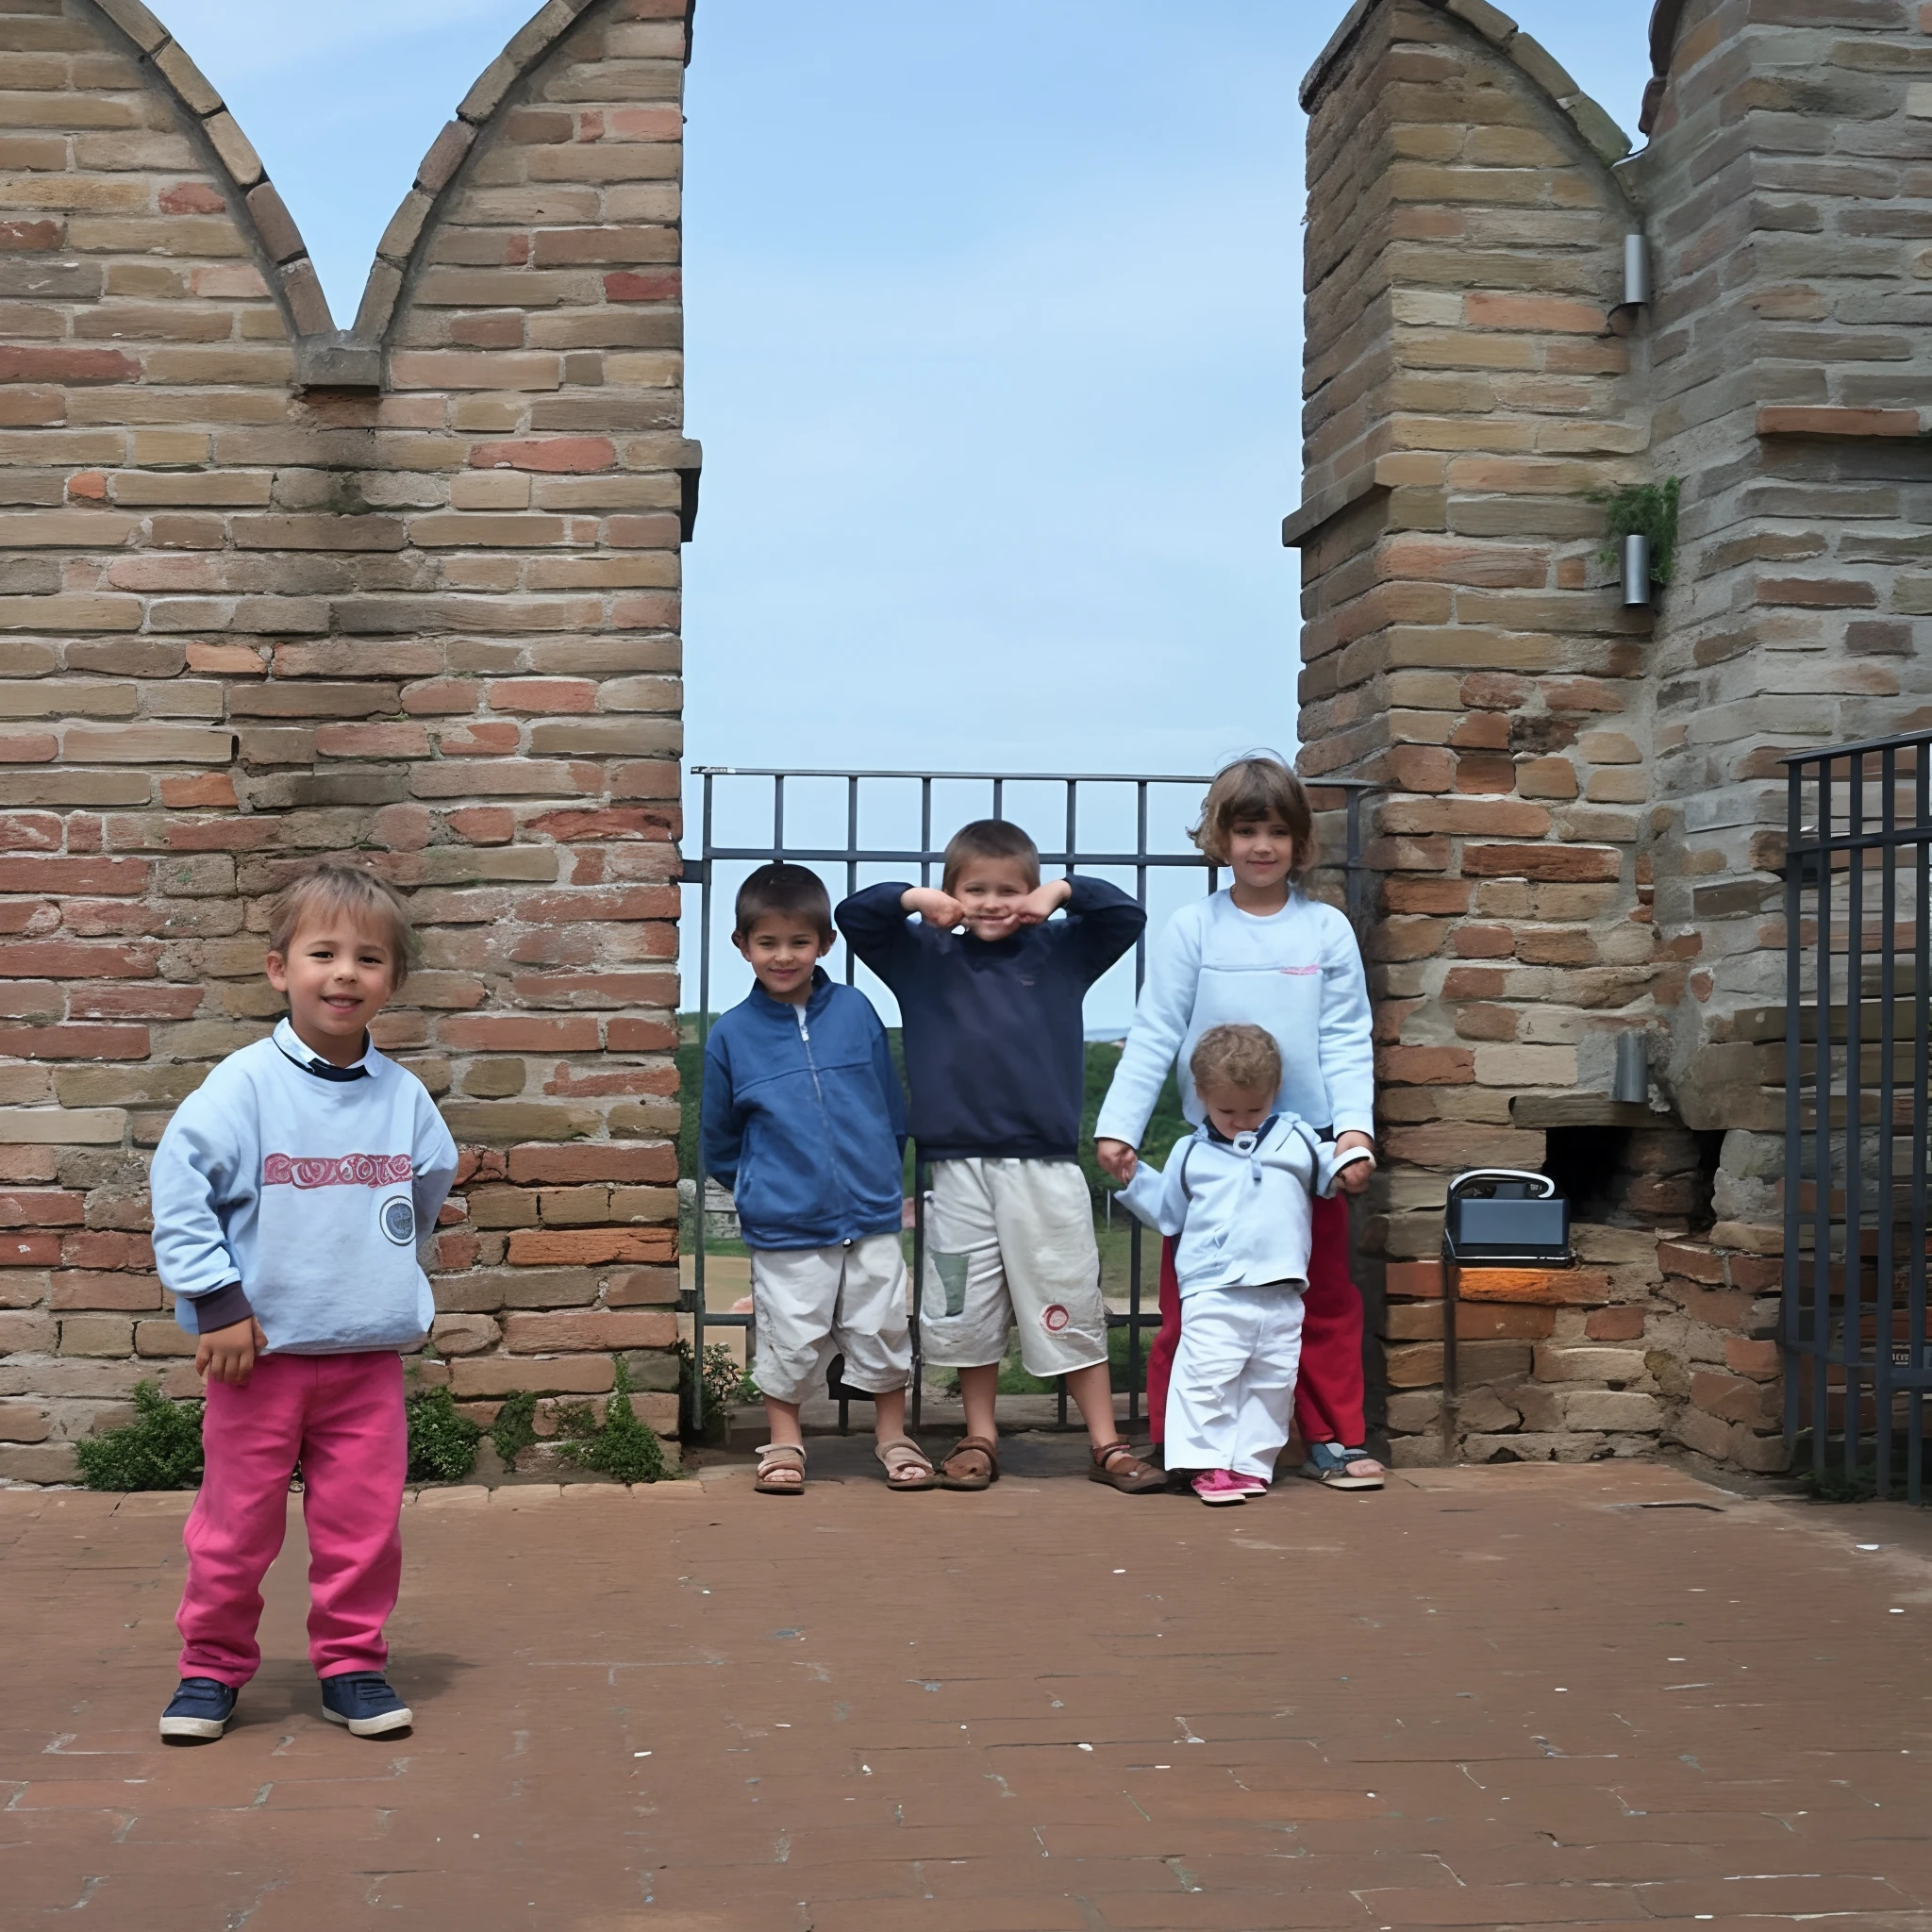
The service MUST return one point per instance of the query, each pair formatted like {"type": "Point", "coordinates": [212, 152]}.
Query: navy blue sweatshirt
{"type": "Point", "coordinates": [803, 1118]}
{"type": "Point", "coordinates": [996, 1049]}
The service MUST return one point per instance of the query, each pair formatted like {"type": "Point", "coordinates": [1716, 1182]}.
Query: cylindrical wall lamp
{"type": "Point", "coordinates": [1636, 572]}
{"type": "Point", "coordinates": [1632, 1084]}
{"type": "Point", "coordinates": [1636, 271]}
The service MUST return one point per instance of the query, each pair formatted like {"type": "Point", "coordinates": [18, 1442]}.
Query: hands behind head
{"type": "Point", "coordinates": [228, 1355]}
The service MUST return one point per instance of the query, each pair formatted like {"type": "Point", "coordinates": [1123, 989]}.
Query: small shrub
{"type": "Point", "coordinates": [443, 1441]}
{"type": "Point", "coordinates": [624, 1447]}
{"type": "Point", "coordinates": [514, 1429]}
{"type": "Point", "coordinates": [160, 1449]}
{"type": "Point", "coordinates": [724, 1384]}
{"type": "Point", "coordinates": [1643, 509]}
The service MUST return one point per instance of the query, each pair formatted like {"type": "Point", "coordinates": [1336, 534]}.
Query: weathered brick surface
{"type": "Point", "coordinates": [409, 596]}
{"type": "Point", "coordinates": [1582, 818]}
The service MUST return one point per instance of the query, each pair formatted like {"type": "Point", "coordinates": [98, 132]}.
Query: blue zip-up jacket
{"type": "Point", "coordinates": [803, 1117]}
{"type": "Point", "coordinates": [995, 1050]}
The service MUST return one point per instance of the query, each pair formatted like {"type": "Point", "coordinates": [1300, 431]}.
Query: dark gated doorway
{"type": "Point", "coordinates": [1858, 1044]}
{"type": "Point", "coordinates": [864, 826]}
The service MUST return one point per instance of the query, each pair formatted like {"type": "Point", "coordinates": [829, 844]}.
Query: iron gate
{"type": "Point", "coordinates": [1129, 793]}
{"type": "Point", "coordinates": [1857, 972]}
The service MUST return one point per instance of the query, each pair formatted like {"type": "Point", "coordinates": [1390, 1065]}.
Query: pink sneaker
{"type": "Point", "coordinates": [1219, 1486]}
{"type": "Point", "coordinates": [1250, 1485]}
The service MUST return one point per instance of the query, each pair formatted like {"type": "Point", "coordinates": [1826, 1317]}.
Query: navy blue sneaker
{"type": "Point", "coordinates": [364, 1701]}
{"type": "Point", "coordinates": [199, 1712]}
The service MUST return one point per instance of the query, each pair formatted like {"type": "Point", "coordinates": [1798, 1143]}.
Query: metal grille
{"type": "Point", "coordinates": [1125, 797]}
{"type": "Point", "coordinates": [1858, 972]}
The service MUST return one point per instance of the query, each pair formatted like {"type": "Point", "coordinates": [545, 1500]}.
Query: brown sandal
{"type": "Point", "coordinates": [902, 1452]}
{"type": "Point", "coordinates": [970, 1478]}
{"type": "Point", "coordinates": [1116, 1465]}
{"type": "Point", "coordinates": [774, 1458]}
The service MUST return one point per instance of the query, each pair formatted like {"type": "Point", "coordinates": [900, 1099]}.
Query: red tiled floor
{"type": "Point", "coordinates": [1499, 1697]}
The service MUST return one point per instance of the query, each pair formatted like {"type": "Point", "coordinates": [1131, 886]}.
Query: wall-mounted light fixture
{"type": "Point", "coordinates": [1636, 572]}
{"type": "Point", "coordinates": [1632, 1084]}
{"type": "Point", "coordinates": [1636, 271]}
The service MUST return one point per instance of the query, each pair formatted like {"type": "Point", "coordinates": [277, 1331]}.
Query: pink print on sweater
{"type": "Point", "coordinates": [335, 1171]}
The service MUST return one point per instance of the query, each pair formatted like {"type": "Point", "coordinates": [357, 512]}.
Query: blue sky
{"type": "Point", "coordinates": [993, 344]}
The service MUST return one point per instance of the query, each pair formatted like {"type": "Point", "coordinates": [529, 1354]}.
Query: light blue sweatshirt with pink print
{"type": "Point", "coordinates": [314, 1189]}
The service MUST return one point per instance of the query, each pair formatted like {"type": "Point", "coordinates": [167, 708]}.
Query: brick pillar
{"type": "Point", "coordinates": [1466, 385]}
{"type": "Point", "coordinates": [407, 594]}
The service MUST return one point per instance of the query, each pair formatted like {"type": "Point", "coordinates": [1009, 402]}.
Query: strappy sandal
{"type": "Point", "coordinates": [969, 1479]}
{"type": "Point", "coordinates": [774, 1458]}
{"type": "Point", "coordinates": [1116, 1465]}
{"type": "Point", "coordinates": [902, 1452]}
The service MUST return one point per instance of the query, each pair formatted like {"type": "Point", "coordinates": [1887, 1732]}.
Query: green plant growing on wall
{"type": "Point", "coordinates": [160, 1449]}
{"type": "Point", "coordinates": [443, 1439]}
{"type": "Point", "coordinates": [515, 1428]}
{"type": "Point", "coordinates": [724, 1384]}
{"type": "Point", "coordinates": [1642, 510]}
{"type": "Point", "coordinates": [624, 1447]}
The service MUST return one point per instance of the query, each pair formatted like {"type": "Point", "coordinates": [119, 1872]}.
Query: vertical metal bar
{"type": "Point", "coordinates": [1135, 1391]}
{"type": "Point", "coordinates": [1922, 1078]}
{"type": "Point", "coordinates": [851, 862]}
{"type": "Point", "coordinates": [1856, 1365]}
{"type": "Point", "coordinates": [778, 816]}
{"type": "Point", "coordinates": [698, 1250]}
{"type": "Point", "coordinates": [999, 795]}
{"type": "Point", "coordinates": [1887, 912]}
{"type": "Point", "coordinates": [924, 831]}
{"type": "Point", "coordinates": [918, 1284]}
{"type": "Point", "coordinates": [1822, 1162]}
{"type": "Point", "coordinates": [1061, 1392]}
{"type": "Point", "coordinates": [1353, 877]}
{"type": "Point", "coordinates": [1790, 1331]}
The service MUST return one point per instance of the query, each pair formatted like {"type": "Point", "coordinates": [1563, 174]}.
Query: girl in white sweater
{"type": "Point", "coordinates": [1264, 953]}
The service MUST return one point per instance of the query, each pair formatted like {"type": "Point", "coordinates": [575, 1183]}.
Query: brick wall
{"type": "Point", "coordinates": [1582, 815]}
{"type": "Point", "coordinates": [407, 593]}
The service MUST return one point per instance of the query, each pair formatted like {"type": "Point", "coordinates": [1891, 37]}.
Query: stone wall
{"type": "Point", "coordinates": [1582, 822]}
{"type": "Point", "coordinates": [407, 593]}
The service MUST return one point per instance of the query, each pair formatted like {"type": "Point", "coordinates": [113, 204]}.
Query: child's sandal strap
{"type": "Point", "coordinates": [775, 1458]}
{"type": "Point", "coordinates": [902, 1452]}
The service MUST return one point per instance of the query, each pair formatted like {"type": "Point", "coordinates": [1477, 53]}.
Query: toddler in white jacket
{"type": "Point", "coordinates": [1238, 1195]}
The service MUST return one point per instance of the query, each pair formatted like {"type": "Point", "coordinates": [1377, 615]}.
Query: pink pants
{"type": "Point", "coordinates": [1329, 1394]}
{"type": "Point", "coordinates": [341, 1417]}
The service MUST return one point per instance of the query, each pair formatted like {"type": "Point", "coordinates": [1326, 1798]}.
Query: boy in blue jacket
{"type": "Point", "coordinates": [995, 1053]}
{"type": "Point", "coordinates": [804, 1120]}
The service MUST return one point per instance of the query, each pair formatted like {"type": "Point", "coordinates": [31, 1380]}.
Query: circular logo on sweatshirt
{"type": "Point", "coordinates": [1052, 1318]}
{"type": "Point", "coordinates": [398, 1217]}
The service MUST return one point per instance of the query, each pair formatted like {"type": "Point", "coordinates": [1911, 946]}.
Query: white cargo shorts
{"type": "Point", "coordinates": [811, 1304]}
{"type": "Point", "coordinates": [1009, 1244]}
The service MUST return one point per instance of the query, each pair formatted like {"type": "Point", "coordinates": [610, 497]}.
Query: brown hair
{"type": "Point", "coordinates": [990, 838]}
{"type": "Point", "coordinates": [1244, 1057]}
{"type": "Point", "coordinates": [334, 888]}
{"type": "Point", "coordinates": [793, 892]}
{"type": "Point", "coordinates": [1259, 787]}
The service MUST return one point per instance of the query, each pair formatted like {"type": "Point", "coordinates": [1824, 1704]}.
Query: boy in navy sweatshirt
{"type": "Point", "coordinates": [296, 1196]}
{"type": "Point", "coordinates": [804, 1120]}
{"type": "Point", "coordinates": [995, 1055]}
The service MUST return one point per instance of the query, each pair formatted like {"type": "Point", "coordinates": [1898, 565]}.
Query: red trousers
{"type": "Point", "coordinates": [1328, 1394]}
{"type": "Point", "coordinates": [341, 1416]}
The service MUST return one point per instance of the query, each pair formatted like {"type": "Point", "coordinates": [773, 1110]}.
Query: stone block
{"type": "Point", "coordinates": [1619, 1367]}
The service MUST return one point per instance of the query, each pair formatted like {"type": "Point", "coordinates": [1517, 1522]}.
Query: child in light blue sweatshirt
{"type": "Point", "coordinates": [1238, 1197]}
{"type": "Point", "coordinates": [296, 1198]}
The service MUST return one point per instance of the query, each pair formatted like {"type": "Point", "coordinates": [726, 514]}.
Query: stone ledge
{"type": "Point", "coordinates": [1824, 421]}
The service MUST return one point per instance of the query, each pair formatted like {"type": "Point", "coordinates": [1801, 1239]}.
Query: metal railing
{"type": "Point", "coordinates": [1858, 1045]}
{"type": "Point", "coordinates": [1132, 790]}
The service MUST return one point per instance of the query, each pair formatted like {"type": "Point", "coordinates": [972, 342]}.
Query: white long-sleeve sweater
{"type": "Point", "coordinates": [1240, 1207]}
{"type": "Point", "coordinates": [1297, 972]}
{"type": "Point", "coordinates": [318, 1195]}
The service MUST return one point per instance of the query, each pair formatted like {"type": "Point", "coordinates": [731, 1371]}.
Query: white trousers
{"type": "Point", "coordinates": [1009, 1244]}
{"type": "Point", "coordinates": [1231, 1396]}
{"type": "Point", "coordinates": [813, 1304]}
